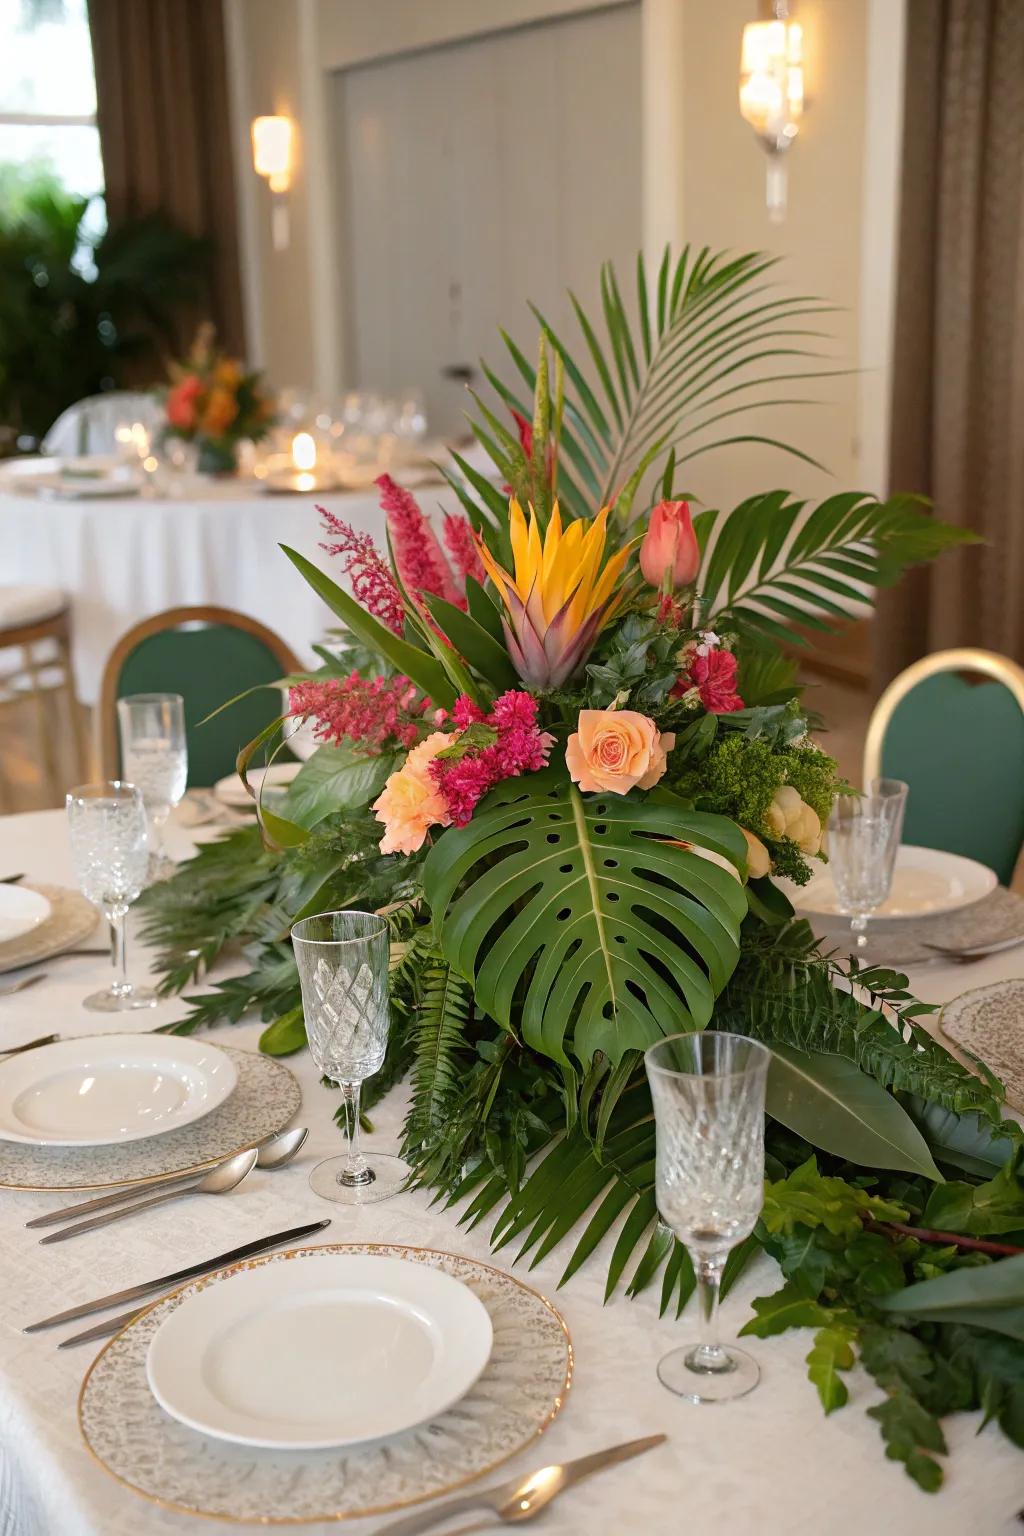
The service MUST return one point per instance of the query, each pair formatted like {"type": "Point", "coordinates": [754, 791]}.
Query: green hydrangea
{"type": "Point", "coordinates": [739, 776]}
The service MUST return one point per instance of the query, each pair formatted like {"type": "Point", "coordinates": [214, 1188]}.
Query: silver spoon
{"type": "Point", "coordinates": [273, 1153]}
{"type": "Point", "coordinates": [278, 1150]}
{"type": "Point", "coordinates": [219, 1181]}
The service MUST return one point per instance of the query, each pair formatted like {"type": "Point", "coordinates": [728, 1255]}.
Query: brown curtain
{"type": "Point", "coordinates": [165, 132]}
{"type": "Point", "coordinates": [958, 388]}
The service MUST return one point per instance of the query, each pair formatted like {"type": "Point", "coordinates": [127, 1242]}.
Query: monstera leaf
{"type": "Point", "coordinates": [582, 911]}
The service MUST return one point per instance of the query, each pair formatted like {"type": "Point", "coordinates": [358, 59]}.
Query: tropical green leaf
{"type": "Point", "coordinates": [286, 1035]}
{"type": "Point", "coordinates": [486, 655]}
{"type": "Point", "coordinates": [425, 671]}
{"type": "Point", "coordinates": [336, 779]}
{"type": "Point", "coordinates": [982, 1296]}
{"type": "Point", "coordinates": [583, 905]}
{"type": "Point", "coordinates": [835, 1106]}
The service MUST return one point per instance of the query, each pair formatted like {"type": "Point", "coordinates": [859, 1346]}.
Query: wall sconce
{"type": "Point", "coordinates": [272, 158]}
{"type": "Point", "coordinates": [772, 93]}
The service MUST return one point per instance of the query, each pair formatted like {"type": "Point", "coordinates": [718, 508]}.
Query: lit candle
{"type": "Point", "coordinates": [304, 451]}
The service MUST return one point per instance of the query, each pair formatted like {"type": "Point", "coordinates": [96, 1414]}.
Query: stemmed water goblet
{"type": "Point", "coordinates": [863, 841]}
{"type": "Point", "coordinates": [110, 856]}
{"type": "Point", "coordinates": [154, 757]}
{"type": "Point", "coordinates": [343, 960]}
{"type": "Point", "coordinates": [708, 1091]}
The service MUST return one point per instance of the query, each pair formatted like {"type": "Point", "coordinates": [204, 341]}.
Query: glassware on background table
{"type": "Point", "coordinates": [343, 970]}
{"type": "Point", "coordinates": [154, 756]}
{"type": "Point", "coordinates": [863, 841]}
{"type": "Point", "coordinates": [110, 857]}
{"type": "Point", "coordinates": [708, 1091]}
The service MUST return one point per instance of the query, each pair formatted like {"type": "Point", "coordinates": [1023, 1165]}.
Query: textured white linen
{"type": "Point", "coordinates": [769, 1463]}
{"type": "Point", "coordinates": [122, 560]}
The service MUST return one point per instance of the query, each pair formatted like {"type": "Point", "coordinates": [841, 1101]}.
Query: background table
{"type": "Point", "coordinates": [123, 559]}
{"type": "Point", "coordinates": [769, 1463]}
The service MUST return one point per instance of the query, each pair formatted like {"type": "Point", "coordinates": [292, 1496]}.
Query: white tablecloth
{"type": "Point", "coordinates": [122, 560]}
{"type": "Point", "coordinates": [769, 1463]}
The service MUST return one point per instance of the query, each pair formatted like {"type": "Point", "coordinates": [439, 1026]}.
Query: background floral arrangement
{"type": "Point", "coordinates": [215, 401]}
{"type": "Point", "coordinates": [566, 754]}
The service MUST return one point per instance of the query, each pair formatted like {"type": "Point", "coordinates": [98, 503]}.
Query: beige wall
{"type": "Point", "coordinates": [703, 179]}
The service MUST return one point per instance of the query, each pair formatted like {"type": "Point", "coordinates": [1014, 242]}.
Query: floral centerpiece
{"type": "Point", "coordinates": [567, 754]}
{"type": "Point", "coordinates": [214, 402]}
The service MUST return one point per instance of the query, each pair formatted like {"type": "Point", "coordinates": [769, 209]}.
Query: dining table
{"type": "Point", "coordinates": [770, 1463]}
{"type": "Point", "coordinates": [121, 559]}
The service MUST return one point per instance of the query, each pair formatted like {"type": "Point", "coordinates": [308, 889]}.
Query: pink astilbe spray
{"type": "Point", "coordinates": [462, 549]}
{"type": "Point", "coordinates": [419, 558]}
{"type": "Point", "coordinates": [372, 582]}
{"type": "Point", "coordinates": [521, 747]}
{"type": "Point", "coordinates": [372, 711]}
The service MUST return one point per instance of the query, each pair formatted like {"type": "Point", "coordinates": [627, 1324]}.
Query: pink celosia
{"type": "Point", "coordinates": [374, 711]}
{"type": "Point", "coordinates": [372, 583]}
{"type": "Point", "coordinates": [521, 747]}
{"type": "Point", "coordinates": [419, 558]}
{"type": "Point", "coordinates": [461, 546]}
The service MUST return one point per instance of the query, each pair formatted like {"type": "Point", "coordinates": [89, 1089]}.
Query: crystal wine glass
{"type": "Point", "coordinates": [708, 1091]}
{"type": "Point", "coordinates": [154, 756]}
{"type": "Point", "coordinates": [110, 856]}
{"type": "Point", "coordinates": [863, 841]}
{"type": "Point", "coordinates": [343, 970]}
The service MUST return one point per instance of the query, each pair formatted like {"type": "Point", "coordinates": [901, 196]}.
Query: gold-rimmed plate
{"type": "Point", "coordinates": [265, 1098]}
{"type": "Point", "coordinates": [521, 1390]}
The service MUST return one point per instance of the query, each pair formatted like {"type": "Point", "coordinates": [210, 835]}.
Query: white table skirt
{"type": "Point", "coordinates": [122, 560]}
{"type": "Point", "coordinates": [770, 1463]}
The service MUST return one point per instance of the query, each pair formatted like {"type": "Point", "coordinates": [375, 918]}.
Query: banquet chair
{"type": "Point", "coordinates": [35, 665]}
{"type": "Point", "coordinates": [88, 426]}
{"type": "Point", "coordinates": [952, 727]}
{"type": "Point", "coordinates": [208, 655]}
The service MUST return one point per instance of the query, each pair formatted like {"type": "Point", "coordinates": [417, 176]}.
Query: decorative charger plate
{"type": "Point", "coordinates": [265, 1099]}
{"type": "Point", "coordinates": [71, 920]}
{"type": "Point", "coordinates": [519, 1393]}
{"type": "Point", "coordinates": [989, 1023]}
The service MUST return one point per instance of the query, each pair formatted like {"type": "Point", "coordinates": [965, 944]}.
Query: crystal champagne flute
{"type": "Point", "coordinates": [343, 962]}
{"type": "Point", "coordinates": [708, 1091]}
{"type": "Point", "coordinates": [863, 841]}
{"type": "Point", "coordinates": [154, 756]}
{"type": "Point", "coordinates": [110, 855]}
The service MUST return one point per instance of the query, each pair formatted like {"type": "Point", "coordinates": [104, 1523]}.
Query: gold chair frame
{"type": "Point", "coordinates": [963, 659]}
{"type": "Point", "coordinates": [171, 618]}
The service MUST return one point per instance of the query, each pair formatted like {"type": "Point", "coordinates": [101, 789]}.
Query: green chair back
{"type": "Point", "coordinates": [959, 744]}
{"type": "Point", "coordinates": [207, 663]}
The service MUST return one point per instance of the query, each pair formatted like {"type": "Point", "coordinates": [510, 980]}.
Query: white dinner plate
{"type": "Point", "coordinates": [20, 911]}
{"type": "Point", "coordinates": [231, 790]}
{"type": "Point", "coordinates": [110, 1088]}
{"type": "Point", "coordinates": [926, 881]}
{"type": "Point", "coordinates": [325, 1350]}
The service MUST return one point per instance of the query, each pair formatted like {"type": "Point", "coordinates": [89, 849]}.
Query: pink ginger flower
{"type": "Point", "coordinates": [461, 546]}
{"type": "Point", "coordinates": [372, 582]}
{"type": "Point", "coordinates": [419, 558]}
{"type": "Point", "coordinates": [372, 711]}
{"type": "Point", "coordinates": [521, 747]}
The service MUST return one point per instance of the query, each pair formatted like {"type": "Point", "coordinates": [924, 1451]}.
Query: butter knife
{"type": "Point", "coordinates": [522, 1498]}
{"type": "Point", "coordinates": [133, 1292]}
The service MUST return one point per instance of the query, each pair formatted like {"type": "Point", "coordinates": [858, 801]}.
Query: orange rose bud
{"type": "Point", "coordinates": [669, 555]}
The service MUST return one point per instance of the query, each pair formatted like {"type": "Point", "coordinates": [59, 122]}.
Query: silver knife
{"type": "Point", "coordinates": [522, 1498]}
{"type": "Point", "coordinates": [133, 1292]}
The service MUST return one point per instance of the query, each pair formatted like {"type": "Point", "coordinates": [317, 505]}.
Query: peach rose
{"type": "Point", "coordinates": [617, 750]}
{"type": "Point", "coordinates": [758, 858]}
{"type": "Point", "coordinates": [410, 802]}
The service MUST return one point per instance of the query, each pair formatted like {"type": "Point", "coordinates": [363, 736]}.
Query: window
{"type": "Point", "coordinates": [48, 94]}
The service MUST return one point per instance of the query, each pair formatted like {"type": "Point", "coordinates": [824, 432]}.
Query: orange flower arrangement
{"type": "Point", "coordinates": [215, 401]}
